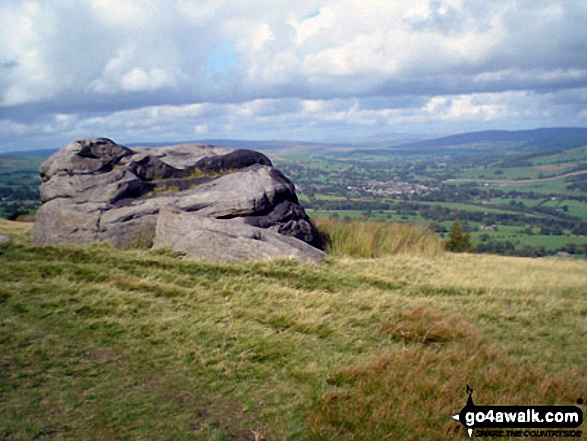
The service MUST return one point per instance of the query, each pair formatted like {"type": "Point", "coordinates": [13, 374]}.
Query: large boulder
{"type": "Point", "coordinates": [96, 190]}
{"type": "Point", "coordinates": [226, 240]}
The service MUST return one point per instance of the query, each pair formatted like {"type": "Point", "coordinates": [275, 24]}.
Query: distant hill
{"type": "Point", "coordinates": [545, 139]}
{"type": "Point", "coordinates": [261, 145]}
{"type": "Point", "coordinates": [238, 144]}
{"type": "Point", "coordinates": [232, 143]}
{"type": "Point", "coordinates": [44, 153]}
{"type": "Point", "coordinates": [520, 140]}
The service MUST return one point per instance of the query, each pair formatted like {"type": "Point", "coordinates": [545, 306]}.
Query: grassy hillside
{"type": "Point", "coordinates": [98, 344]}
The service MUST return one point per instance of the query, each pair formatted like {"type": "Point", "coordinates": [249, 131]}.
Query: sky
{"type": "Point", "coordinates": [318, 71]}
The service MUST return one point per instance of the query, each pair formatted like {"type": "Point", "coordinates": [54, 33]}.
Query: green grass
{"type": "Point", "coordinates": [378, 215]}
{"type": "Point", "coordinates": [548, 188]}
{"type": "Point", "coordinates": [550, 242]}
{"type": "Point", "coordinates": [20, 163]}
{"type": "Point", "coordinates": [306, 159]}
{"type": "Point", "coordinates": [503, 173]}
{"type": "Point", "coordinates": [575, 208]}
{"type": "Point", "coordinates": [572, 155]}
{"type": "Point", "coordinates": [330, 197]}
{"type": "Point", "coordinates": [469, 207]}
{"type": "Point", "coordinates": [353, 214]}
{"type": "Point", "coordinates": [525, 202]}
{"type": "Point", "coordinates": [517, 236]}
{"type": "Point", "coordinates": [98, 343]}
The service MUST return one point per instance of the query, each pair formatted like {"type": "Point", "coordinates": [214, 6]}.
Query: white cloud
{"type": "Point", "coordinates": [251, 35]}
{"type": "Point", "coordinates": [289, 66]}
{"type": "Point", "coordinates": [137, 80]}
{"type": "Point", "coordinates": [121, 12]}
{"type": "Point", "coordinates": [313, 106]}
{"type": "Point", "coordinates": [307, 28]}
{"type": "Point", "coordinates": [201, 128]}
{"type": "Point", "coordinates": [12, 128]}
{"type": "Point", "coordinates": [20, 40]}
{"type": "Point", "coordinates": [447, 5]}
{"type": "Point", "coordinates": [199, 11]}
{"type": "Point", "coordinates": [122, 74]}
{"type": "Point", "coordinates": [186, 111]}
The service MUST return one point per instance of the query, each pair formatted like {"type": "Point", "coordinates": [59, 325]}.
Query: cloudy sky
{"type": "Point", "coordinates": [331, 70]}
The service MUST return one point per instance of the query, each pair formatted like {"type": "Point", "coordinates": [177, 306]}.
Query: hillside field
{"type": "Point", "coordinates": [100, 344]}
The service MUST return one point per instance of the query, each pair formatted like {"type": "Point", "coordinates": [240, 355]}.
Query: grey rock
{"type": "Point", "coordinates": [5, 240]}
{"type": "Point", "coordinates": [226, 240]}
{"type": "Point", "coordinates": [150, 168]}
{"type": "Point", "coordinates": [63, 221]}
{"type": "Point", "coordinates": [181, 156]}
{"type": "Point", "coordinates": [233, 160]}
{"type": "Point", "coordinates": [106, 187]}
{"type": "Point", "coordinates": [84, 157]}
{"type": "Point", "coordinates": [95, 190]}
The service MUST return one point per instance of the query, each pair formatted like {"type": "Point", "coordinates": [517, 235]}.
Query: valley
{"type": "Point", "coordinates": [516, 193]}
{"type": "Point", "coordinates": [521, 199]}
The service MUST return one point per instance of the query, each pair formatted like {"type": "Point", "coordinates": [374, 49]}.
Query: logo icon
{"type": "Point", "coordinates": [520, 417]}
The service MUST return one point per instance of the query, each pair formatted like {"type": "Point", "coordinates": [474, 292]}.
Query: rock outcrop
{"type": "Point", "coordinates": [208, 202]}
{"type": "Point", "coordinates": [226, 240]}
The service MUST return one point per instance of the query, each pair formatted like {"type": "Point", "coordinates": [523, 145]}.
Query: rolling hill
{"type": "Point", "coordinates": [544, 139]}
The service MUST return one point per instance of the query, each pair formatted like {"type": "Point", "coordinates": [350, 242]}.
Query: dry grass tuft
{"type": "Point", "coordinates": [426, 326]}
{"type": "Point", "coordinates": [377, 239]}
{"type": "Point", "coordinates": [19, 232]}
{"type": "Point", "coordinates": [412, 392]}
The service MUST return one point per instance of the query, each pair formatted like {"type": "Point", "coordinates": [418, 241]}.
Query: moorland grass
{"type": "Point", "coordinates": [377, 239]}
{"type": "Point", "coordinates": [98, 343]}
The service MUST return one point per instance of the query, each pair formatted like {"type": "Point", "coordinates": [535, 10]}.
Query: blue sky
{"type": "Point", "coordinates": [139, 71]}
{"type": "Point", "coordinates": [221, 61]}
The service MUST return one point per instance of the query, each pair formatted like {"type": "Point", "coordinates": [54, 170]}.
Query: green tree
{"type": "Point", "coordinates": [458, 241]}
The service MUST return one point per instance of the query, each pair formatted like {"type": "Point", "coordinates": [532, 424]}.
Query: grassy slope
{"type": "Point", "coordinates": [97, 343]}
